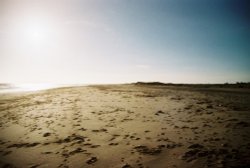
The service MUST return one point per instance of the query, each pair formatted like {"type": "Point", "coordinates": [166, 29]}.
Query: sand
{"type": "Point", "coordinates": [125, 126]}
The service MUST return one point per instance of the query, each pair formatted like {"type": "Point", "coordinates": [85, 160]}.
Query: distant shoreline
{"type": "Point", "coordinates": [212, 85]}
{"type": "Point", "coordinates": [11, 88]}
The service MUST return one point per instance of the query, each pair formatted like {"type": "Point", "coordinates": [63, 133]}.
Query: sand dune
{"type": "Point", "coordinates": [126, 126]}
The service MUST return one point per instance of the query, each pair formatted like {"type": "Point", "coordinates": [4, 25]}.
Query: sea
{"type": "Point", "coordinates": [31, 87]}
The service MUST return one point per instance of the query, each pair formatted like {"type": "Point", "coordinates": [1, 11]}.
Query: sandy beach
{"type": "Point", "coordinates": [125, 126]}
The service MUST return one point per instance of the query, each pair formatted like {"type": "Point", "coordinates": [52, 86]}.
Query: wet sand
{"type": "Point", "coordinates": [125, 126]}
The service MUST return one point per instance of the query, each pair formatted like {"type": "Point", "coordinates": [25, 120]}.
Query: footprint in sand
{"type": "Point", "coordinates": [92, 160]}
{"type": "Point", "coordinates": [113, 144]}
{"type": "Point", "coordinates": [46, 134]}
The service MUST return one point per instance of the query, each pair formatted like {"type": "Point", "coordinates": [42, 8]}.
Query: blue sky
{"type": "Point", "coordinates": [116, 41]}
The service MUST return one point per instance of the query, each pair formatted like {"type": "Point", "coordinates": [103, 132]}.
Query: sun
{"type": "Point", "coordinates": [36, 33]}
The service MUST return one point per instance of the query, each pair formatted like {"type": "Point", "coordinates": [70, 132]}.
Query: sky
{"type": "Point", "coordinates": [122, 41]}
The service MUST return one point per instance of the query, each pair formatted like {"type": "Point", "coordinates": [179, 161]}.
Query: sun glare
{"type": "Point", "coordinates": [36, 32]}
